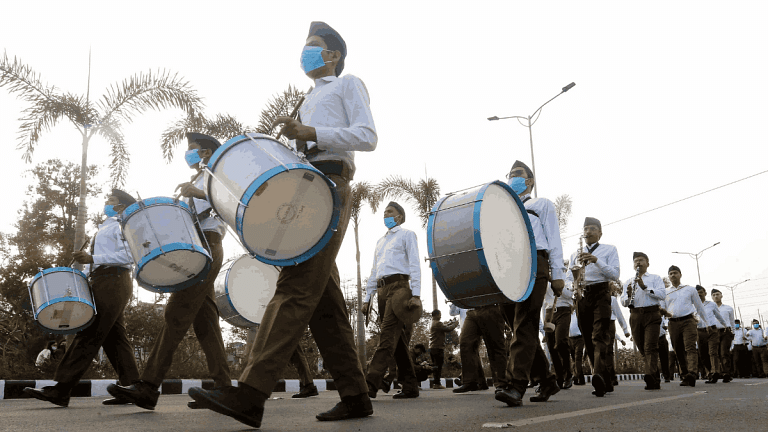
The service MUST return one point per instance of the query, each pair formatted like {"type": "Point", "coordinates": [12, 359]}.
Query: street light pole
{"type": "Point", "coordinates": [733, 297]}
{"type": "Point", "coordinates": [531, 121]}
{"type": "Point", "coordinates": [696, 256]}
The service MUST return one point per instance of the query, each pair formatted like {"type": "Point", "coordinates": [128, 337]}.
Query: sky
{"type": "Point", "coordinates": [669, 102]}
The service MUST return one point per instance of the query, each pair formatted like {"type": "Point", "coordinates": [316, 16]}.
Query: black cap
{"type": "Point", "coordinates": [674, 267]}
{"type": "Point", "coordinates": [397, 207]}
{"type": "Point", "coordinates": [699, 287]}
{"type": "Point", "coordinates": [639, 254]}
{"type": "Point", "coordinates": [332, 39]}
{"type": "Point", "coordinates": [592, 221]}
{"type": "Point", "coordinates": [124, 198]}
{"type": "Point", "coordinates": [715, 290]}
{"type": "Point", "coordinates": [519, 164]}
{"type": "Point", "coordinates": [205, 141]}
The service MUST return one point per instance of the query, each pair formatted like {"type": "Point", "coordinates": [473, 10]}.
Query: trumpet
{"type": "Point", "coordinates": [578, 270]}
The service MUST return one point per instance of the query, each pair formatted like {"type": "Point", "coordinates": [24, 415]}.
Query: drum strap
{"type": "Point", "coordinates": [528, 210]}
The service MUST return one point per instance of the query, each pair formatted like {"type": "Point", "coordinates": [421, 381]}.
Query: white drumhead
{"type": "Point", "coordinates": [173, 267]}
{"type": "Point", "coordinates": [290, 216]}
{"type": "Point", "coordinates": [251, 285]}
{"type": "Point", "coordinates": [65, 315]}
{"type": "Point", "coordinates": [506, 242]}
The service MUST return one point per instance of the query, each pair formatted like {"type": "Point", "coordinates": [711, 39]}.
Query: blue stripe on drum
{"type": "Point", "coordinates": [133, 208]}
{"type": "Point", "coordinates": [170, 247]}
{"type": "Point", "coordinates": [431, 247]}
{"type": "Point", "coordinates": [532, 239]}
{"type": "Point", "coordinates": [57, 269]}
{"type": "Point", "coordinates": [68, 331]}
{"type": "Point", "coordinates": [263, 178]}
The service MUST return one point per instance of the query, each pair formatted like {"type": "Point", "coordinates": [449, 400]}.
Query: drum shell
{"type": "Point", "coordinates": [58, 292]}
{"type": "Point", "coordinates": [458, 257]}
{"type": "Point", "coordinates": [243, 290]}
{"type": "Point", "coordinates": [179, 260]}
{"type": "Point", "coordinates": [244, 167]}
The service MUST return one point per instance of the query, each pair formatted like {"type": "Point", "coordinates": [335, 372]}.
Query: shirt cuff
{"type": "Point", "coordinates": [558, 273]}
{"type": "Point", "coordinates": [416, 290]}
{"type": "Point", "coordinates": [311, 145]}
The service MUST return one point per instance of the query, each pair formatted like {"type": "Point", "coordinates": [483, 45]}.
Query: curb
{"type": "Point", "coordinates": [13, 389]}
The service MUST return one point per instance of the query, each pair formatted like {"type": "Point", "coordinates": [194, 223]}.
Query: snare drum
{"type": "Point", "coordinates": [481, 246]}
{"type": "Point", "coordinates": [62, 300]}
{"type": "Point", "coordinates": [244, 289]}
{"type": "Point", "coordinates": [283, 209]}
{"type": "Point", "coordinates": [165, 245]}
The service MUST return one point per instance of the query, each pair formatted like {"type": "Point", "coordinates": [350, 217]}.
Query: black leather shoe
{"type": "Point", "coordinates": [48, 394]}
{"type": "Point", "coordinates": [406, 394]}
{"type": "Point", "coordinates": [306, 391]}
{"type": "Point", "coordinates": [727, 378]}
{"type": "Point", "coordinates": [568, 383]}
{"type": "Point", "coordinates": [615, 382]}
{"type": "Point", "coordinates": [236, 402]}
{"type": "Point", "coordinates": [545, 391]}
{"type": "Point", "coordinates": [483, 385]}
{"type": "Point", "coordinates": [468, 387]}
{"type": "Point", "coordinates": [651, 383]}
{"type": "Point", "coordinates": [194, 405]}
{"type": "Point", "coordinates": [141, 394]}
{"type": "Point", "coordinates": [350, 407]}
{"type": "Point", "coordinates": [510, 396]}
{"type": "Point", "coordinates": [457, 381]}
{"type": "Point", "coordinates": [580, 381]}
{"type": "Point", "coordinates": [714, 379]}
{"type": "Point", "coordinates": [386, 384]}
{"type": "Point", "coordinates": [690, 379]}
{"type": "Point", "coordinates": [599, 386]}
{"type": "Point", "coordinates": [116, 401]}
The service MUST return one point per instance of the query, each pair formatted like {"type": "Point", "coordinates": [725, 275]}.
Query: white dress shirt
{"type": "Point", "coordinates": [756, 337]}
{"type": "Point", "coordinates": [617, 315]}
{"type": "Point", "coordinates": [727, 313]}
{"type": "Point", "coordinates": [396, 253]}
{"type": "Point", "coordinates": [652, 295]}
{"type": "Point", "coordinates": [740, 337]}
{"type": "Point", "coordinates": [109, 247]}
{"type": "Point", "coordinates": [455, 310]}
{"type": "Point", "coordinates": [713, 315]}
{"type": "Point", "coordinates": [574, 330]}
{"type": "Point", "coordinates": [546, 232]}
{"type": "Point", "coordinates": [565, 300]}
{"type": "Point", "coordinates": [604, 270]}
{"type": "Point", "coordinates": [339, 110]}
{"type": "Point", "coordinates": [684, 300]}
{"type": "Point", "coordinates": [210, 223]}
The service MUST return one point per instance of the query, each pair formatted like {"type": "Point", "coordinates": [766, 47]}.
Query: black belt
{"type": "Point", "coordinates": [332, 167]}
{"type": "Point", "coordinates": [723, 330]}
{"type": "Point", "coordinates": [386, 280]}
{"type": "Point", "coordinates": [682, 318]}
{"type": "Point", "coordinates": [543, 253]}
{"type": "Point", "coordinates": [109, 270]}
{"type": "Point", "coordinates": [597, 286]}
{"type": "Point", "coordinates": [646, 309]}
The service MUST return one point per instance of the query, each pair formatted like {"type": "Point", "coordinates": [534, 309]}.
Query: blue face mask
{"type": "Point", "coordinates": [390, 222]}
{"type": "Point", "coordinates": [517, 184]}
{"type": "Point", "coordinates": [312, 58]}
{"type": "Point", "coordinates": [192, 157]}
{"type": "Point", "coordinates": [756, 326]}
{"type": "Point", "coordinates": [109, 210]}
{"type": "Point", "coordinates": [737, 325]}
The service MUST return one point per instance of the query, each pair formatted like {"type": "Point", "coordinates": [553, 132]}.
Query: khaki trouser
{"type": "Point", "coordinates": [683, 336]}
{"type": "Point", "coordinates": [645, 326]}
{"type": "Point", "coordinates": [309, 294]}
{"type": "Point", "coordinates": [487, 323]}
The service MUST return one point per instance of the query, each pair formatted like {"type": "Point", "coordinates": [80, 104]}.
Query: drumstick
{"type": "Point", "coordinates": [295, 111]}
{"type": "Point", "coordinates": [81, 249]}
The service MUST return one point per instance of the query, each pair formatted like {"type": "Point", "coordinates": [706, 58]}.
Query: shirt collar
{"type": "Point", "coordinates": [109, 221]}
{"type": "Point", "coordinates": [394, 230]}
{"type": "Point", "coordinates": [324, 80]}
{"type": "Point", "coordinates": [522, 198]}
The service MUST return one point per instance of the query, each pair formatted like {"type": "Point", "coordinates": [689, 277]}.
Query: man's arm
{"type": "Point", "coordinates": [718, 316]}
{"type": "Point", "coordinates": [619, 315]}
{"type": "Point", "coordinates": [114, 251]}
{"type": "Point", "coordinates": [609, 266]}
{"type": "Point", "coordinates": [370, 287]}
{"type": "Point", "coordinates": [414, 267]}
{"type": "Point", "coordinates": [699, 307]}
{"type": "Point", "coordinates": [657, 290]}
{"type": "Point", "coordinates": [551, 229]}
{"type": "Point", "coordinates": [625, 293]}
{"type": "Point", "coordinates": [360, 135]}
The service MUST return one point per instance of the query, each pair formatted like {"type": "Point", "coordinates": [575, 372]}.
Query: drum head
{"type": "Point", "coordinates": [250, 285]}
{"type": "Point", "coordinates": [287, 215]}
{"type": "Point", "coordinates": [504, 232]}
{"type": "Point", "coordinates": [65, 315]}
{"type": "Point", "coordinates": [172, 268]}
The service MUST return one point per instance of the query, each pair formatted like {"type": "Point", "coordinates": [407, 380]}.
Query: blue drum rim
{"type": "Point", "coordinates": [256, 184]}
{"type": "Point", "coordinates": [148, 202]}
{"type": "Point", "coordinates": [71, 330]}
{"type": "Point", "coordinates": [229, 299]}
{"type": "Point", "coordinates": [170, 247]}
{"type": "Point", "coordinates": [431, 247]}
{"type": "Point", "coordinates": [230, 143]}
{"type": "Point", "coordinates": [57, 269]}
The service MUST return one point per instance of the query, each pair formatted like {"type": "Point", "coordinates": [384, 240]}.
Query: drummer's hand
{"type": "Point", "coordinates": [623, 343]}
{"type": "Point", "coordinates": [293, 129]}
{"type": "Point", "coordinates": [365, 308]}
{"type": "Point", "coordinates": [626, 334]}
{"type": "Point", "coordinates": [557, 287]}
{"type": "Point", "coordinates": [587, 258]}
{"type": "Point", "coordinates": [82, 257]}
{"type": "Point", "coordinates": [414, 302]}
{"type": "Point", "coordinates": [189, 190]}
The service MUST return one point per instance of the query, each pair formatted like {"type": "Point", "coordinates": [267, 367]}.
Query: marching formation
{"type": "Point", "coordinates": [495, 252]}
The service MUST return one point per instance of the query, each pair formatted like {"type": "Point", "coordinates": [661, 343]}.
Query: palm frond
{"type": "Point", "coordinates": [40, 117]}
{"type": "Point", "coordinates": [193, 122]}
{"type": "Point", "coordinates": [145, 91]}
{"type": "Point", "coordinates": [120, 157]}
{"type": "Point", "coordinates": [21, 79]}
{"type": "Point", "coordinates": [279, 105]}
{"type": "Point", "coordinates": [422, 195]}
{"type": "Point", "coordinates": [224, 127]}
{"type": "Point", "coordinates": [363, 192]}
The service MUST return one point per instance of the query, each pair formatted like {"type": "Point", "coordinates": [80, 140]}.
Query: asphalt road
{"type": "Point", "coordinates": [741, 405]}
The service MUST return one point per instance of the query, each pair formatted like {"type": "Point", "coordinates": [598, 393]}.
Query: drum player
{"type": "Point", "coordinates": [335, 121]}
{"type": "Point", "coordinates": [526, 360]}
{"type": "Point", "coordinates": [109, 273]}
{"type": "Point", "coordinates": [195, 305]}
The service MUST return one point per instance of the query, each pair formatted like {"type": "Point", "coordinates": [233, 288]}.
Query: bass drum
{"type": "Point", "coordinates": [481, 246]}
{"type": "Point", "coordinates": [243, 290]}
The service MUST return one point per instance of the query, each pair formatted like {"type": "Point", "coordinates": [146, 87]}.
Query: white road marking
{"type": "Point", "coordinates": [534, 420]}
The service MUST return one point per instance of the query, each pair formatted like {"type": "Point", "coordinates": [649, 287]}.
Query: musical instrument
{"type": "Point", "coordinates": [282, 208]}
{"type": "Point", "coordinates": [579, 272]}
{"type": "Point", "coordinates": [294, 114]}
{"type": "Point", "coordinates": [243, 289]}
{"type": "Point", "coordinates": [481, 246]}
{"type": "Point", "coordinates": [632, 288]}
{"type": "Point", "coordinates": [62, 300]}
{"type": "Point", "coordinates": [164, 244]}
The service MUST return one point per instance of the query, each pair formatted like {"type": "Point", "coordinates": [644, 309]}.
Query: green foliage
{"type": "Point", "coordinates": [423, 194]}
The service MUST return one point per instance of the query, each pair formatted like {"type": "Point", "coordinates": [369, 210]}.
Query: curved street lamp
{"type": "Point", "coordinates": [696, 256]}
{"type": "Point", "coordinates": [530, 130]}
{"type": "Point", "coordinates": [732, 287]}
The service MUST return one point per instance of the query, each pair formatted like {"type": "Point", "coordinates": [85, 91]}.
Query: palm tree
{"type": "Point", "coordinates": [563, 206]}
{"type": "Point", "coordinates": [361, 192]}
{"type": "Point", "coordinates": [48, 105]}
{"type": "Point", "coordinates": [423, 195]}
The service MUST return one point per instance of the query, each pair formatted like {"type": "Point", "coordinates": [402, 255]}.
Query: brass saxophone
{"type": "Point", "coordinates": [632, 289]}
{"type": "Point", "coordinates": [578, 270]}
